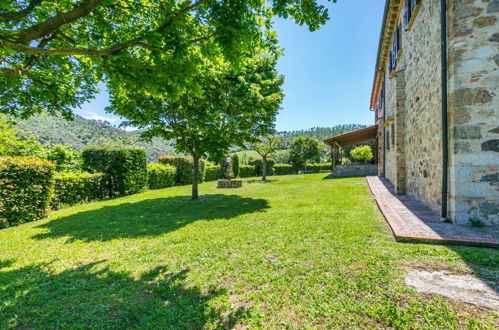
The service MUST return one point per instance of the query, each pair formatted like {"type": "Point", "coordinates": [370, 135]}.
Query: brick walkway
{"type": "Point", "coordinates": [412, 221]}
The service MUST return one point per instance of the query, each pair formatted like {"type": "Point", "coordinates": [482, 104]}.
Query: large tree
{"type": "Point", "coordinates": [53, 53]}
{"type": "Point", "coordinates": [264, 147]}
{"type": "Point", "coordinates": [303, 149]}
{"type": "Point", "coordinates": [232, 108]}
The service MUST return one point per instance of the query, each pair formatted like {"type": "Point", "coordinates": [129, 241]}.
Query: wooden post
{"type": "Point", "coordinates": [334, 159]}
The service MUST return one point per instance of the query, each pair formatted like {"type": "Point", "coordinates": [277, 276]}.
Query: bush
{"type": "Point", "coordinates": [79, 187]}
{"type": "Point", "coordinates": [212, 172]}
{"type": "Point", "coordinates": [345, 161]}
{"type": "Point", "coordinates": [316, 168]}
{"type": "Point", "coordinates": [258, 163]}
{"type": "Point", "coordinates": [127, 168]}
{"type": "Point", "coordinates": [246, 171]}
{"type": "Point", "coordinates": [362, 153]}
{"type": "Point", "coordinates": [235, 165]}
{"type": "Point", "coordinates": [160, 175]}
{"type": "Point", "coordinates": [65, 158]}
{"type": "Point", "coordinates": [26, 187]}
{"type": "Point", "coordinates": [284, 169]}
{"type": "Point", "coordinates": [184, 166]}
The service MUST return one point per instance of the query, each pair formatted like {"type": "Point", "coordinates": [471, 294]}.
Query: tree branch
{"type": "Point", "coordinates": [50, 25]}
{"type": "Point", "coordinates": [7, 17]}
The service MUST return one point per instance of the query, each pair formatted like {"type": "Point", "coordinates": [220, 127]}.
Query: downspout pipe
{"type": "Point", "coordinates": [384, 128]}
{"type": "Point", "coordinates": [445, 128]}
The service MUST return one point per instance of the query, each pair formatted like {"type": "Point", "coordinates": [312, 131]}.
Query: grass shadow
{"type": "Point", "coordinates": [93, 296]}
{"type": "Point", "coordinates": [260, 181]}
{"type": "Point", "coordinates": [148, 217]}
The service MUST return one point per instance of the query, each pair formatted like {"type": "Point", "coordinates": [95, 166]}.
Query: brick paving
{"type": "Point", "coordinates": [414, 222]}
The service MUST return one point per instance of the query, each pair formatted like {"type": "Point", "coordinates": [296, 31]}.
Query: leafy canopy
{"type": "Point", "coordinates": [267, 145]}
{"type": "Point", "coordinates": [53, 53]}
{"type": "Point", "coordinates": [303, 149]}
{"type": "Point", "coordinates": [362, 153]}
{"type": "Point", "coordinates": [13, 142]}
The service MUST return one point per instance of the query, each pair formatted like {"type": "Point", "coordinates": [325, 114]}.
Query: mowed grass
{"type": "Point", "coordinates": [296, 252]}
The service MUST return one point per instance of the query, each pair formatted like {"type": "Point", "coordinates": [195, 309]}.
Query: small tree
{"type": "Point", "coordinates": [303, 149]}
{"type": "Point", "coordinates": [362, 153]}
{"type": "Point", "coordinates": [235, 165]}
{"type": "Point", "coordinates": [65, 158]}
{"type": "Point", "coordinates": [264, 147]}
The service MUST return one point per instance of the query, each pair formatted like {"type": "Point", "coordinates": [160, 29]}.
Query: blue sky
{"type": "Point", "coordinates": [328, 73]}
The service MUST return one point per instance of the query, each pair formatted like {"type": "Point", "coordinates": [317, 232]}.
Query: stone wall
{"type": "Point", "coordinates": [354, 170]}
{"type": "Point", "coordinates": [473, 40]}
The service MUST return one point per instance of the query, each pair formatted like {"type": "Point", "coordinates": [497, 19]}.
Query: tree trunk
{"type": "Point", "coordinates": [195, 177]}
{"type": "Point", "coordinates": [264, 168]}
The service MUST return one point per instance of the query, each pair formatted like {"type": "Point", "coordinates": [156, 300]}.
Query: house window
{"type": "Point", "coordinates": [410, 8]}
{"type": "Point", "coordinates": [387, 140]}
{"type": "Point", "coordinates": [393, 135]}
{"type": "Point", "coordinates": [396, 47]}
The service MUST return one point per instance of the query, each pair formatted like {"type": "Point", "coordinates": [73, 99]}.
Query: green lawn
{"type": "Point", "coordinates": [296, 252]}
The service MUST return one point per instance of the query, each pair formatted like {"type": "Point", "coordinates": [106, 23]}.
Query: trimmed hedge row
{"type": "Point", "coordinates": [284, 169]}
{"type": "Point", "coordinates": [212, 172]}
{"type": "Point", "coordinates": [160, 175]}
{"type": "Point", "coordinates": [127, 168]}
{"type": "Point", "coordinates": [246, 171]}
{"type": "Point", "coordinates": [73, 188]}
{"type": "Point", "coordinates": [258, 163]}
{"type": "Point", "coordinates": [316, 168]}
{"type": "Point", "coordinates": [184, 166]}
{"type": "Point", "coordinates": [26, 187]}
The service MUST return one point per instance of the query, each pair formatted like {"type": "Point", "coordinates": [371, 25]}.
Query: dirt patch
{"type": "Point", "coordinates": [465, 288]}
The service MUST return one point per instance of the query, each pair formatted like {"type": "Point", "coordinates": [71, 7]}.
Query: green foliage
{"type": "Point", "coordinates": [284, 169]}
{"type": "Point", "coordinates": [316, 168]}
{"type": "Point", "coordinates": [362, 153]}
{"type": "Point", "coordinates": [14, 142]}
{"type": "Point", "coordinates": [26, 187]}
{"type": "Point", "coordinates": [258, 164]}
{"type": "Point", "coordinates": [280, 156]}
{"type": "Point", "coordinates": [235, 165]}
{"type": "Point", "coordinates": [345, 161]}
{"type": "Point", "coordinates": [81, 133]}
{"type": "Point", "coordinates": [65, 158]}
{"type": "Point", "coordinates": [54, 53]}
{"type": "Point", "coordinates": [247, 171]}
{"type": "Point", "coordinates": [160, 175]}
{"type": "Point", "coordinates": [267, 145]}
{"type": "Point", "coordinates": [303, 149]}
{"type": "Point", "coordinates": [79, 187]}
{"type": "Point", "coordinates": [212, 172]}
{"type": "Point", "coordinates": [127, 168]}
{"type": "Point", "coordinates": [184, 167]}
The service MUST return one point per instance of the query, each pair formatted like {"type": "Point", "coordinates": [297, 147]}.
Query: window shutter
{"type": "Point", "coordinates": [399, 38]}
{"type": "Point", "coordinates": [407, 12]}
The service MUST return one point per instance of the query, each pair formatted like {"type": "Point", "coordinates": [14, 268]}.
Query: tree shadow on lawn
{"type": "Point", "coordinates": [93, 296]}
{"type": "Point", "coordinates": [149, 217]}
{"type": "Point", "coordinates": [260, 181]}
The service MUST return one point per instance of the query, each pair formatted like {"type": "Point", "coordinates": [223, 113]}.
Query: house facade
{"type": "Point", "coordinates": [436, 102]}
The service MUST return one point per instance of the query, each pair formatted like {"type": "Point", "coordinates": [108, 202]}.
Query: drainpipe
{"type": "Point", "coordinates": [384, 128]}
{"type": "Point", "coordinates": [445, 129]}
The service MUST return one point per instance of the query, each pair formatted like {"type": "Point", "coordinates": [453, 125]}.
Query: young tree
{"type": "Point", "coordinates": [232, 109]}
{"type": "Point", "coordinates": [14, 142]}
{"type": "Point", "coordinates": [264, 147]}
{"type": "Point", "coordinates": [303, 149]}
{"type": "Point", "coordinates": [53, 53]}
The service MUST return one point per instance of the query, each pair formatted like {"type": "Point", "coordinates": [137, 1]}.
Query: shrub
{"type": "Point", "coordinates": [184, 166]}
{"type": "Point", "coordinates": [26, 187]}
{"type": "Point", "coordinates": [284, 169]}
{"type": "Point", "coordinates": [246, 171]}
{"type": "Point", "coordinates": [79, 187]}
{"type": "Point", "coordinates": [362, 153]}
{"type": "Point", "coordinates": [235, 165]}
{"type": "Point", "coordinates": [160, 175]}
{"type": "Point", "coordinates": [212, 171]}
{"type": "Point", "coordinates": [345, 161]}
{"type": "Point", "coordinates": [316, 168]}
{"type": "Point", "coordinates": [65, 158]}
{"type": "Point", "coordinates": [258, 162]}
{"type": "Point", "coordinates": [127, 168]}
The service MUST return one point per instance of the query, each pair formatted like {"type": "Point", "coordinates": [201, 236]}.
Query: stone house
{"type": "Point", "coordinates": [436, 102]}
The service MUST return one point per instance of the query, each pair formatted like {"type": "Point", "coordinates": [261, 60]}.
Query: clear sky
{"type": "Point", "coordinates": [328, 73]}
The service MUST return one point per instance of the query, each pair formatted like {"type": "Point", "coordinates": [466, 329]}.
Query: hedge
{"type": "Point", "coordinates": [284, 169]}
{"type": "Point", "coordinates": [258, 162]}
{"type": "Point", "coordinates": [26, 187]}
{"type": "Point", "coordinates": [160, 175]}
{"type": "Point", "coordinates": [212, 172]}
{"type": "Point", "coordinates": [184, 166]}
{"type": "Point", "coordinates": [316, 168]}
{"type": "Point", "coordinates": [246, 171]}
{"type": "Point", "coordinates": [78, 187]}
{"type": "Point", "coordinates": [127, 168]}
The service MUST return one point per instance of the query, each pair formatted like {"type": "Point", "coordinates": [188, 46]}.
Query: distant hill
{"type": "Point", "coordinates": [81, 133]}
